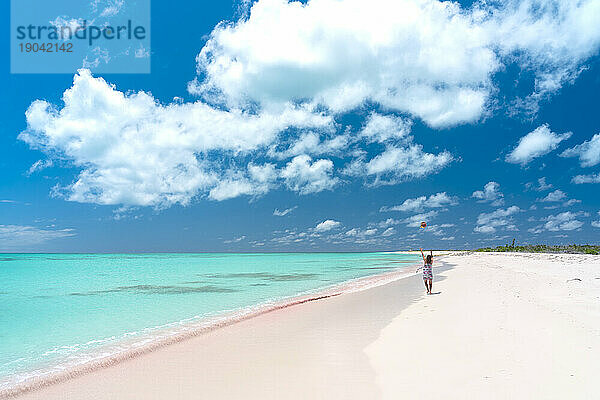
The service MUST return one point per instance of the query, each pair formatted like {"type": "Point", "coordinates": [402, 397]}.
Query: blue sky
{"type": "Point", "coordinates": [322, 126]}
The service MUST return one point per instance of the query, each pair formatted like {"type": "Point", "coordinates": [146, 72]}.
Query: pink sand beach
{"type": "Point", "coordinates": [498, 326]}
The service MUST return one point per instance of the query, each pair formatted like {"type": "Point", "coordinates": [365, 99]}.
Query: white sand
{"type": "Point", "coordinates": [504, 326]}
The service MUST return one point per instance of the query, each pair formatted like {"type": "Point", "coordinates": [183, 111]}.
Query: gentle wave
{"type": "Point", "coordinates": [161, 336]}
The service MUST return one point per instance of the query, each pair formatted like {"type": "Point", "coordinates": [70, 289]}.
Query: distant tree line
{"type": "Point", "coordinates": [545, 248]}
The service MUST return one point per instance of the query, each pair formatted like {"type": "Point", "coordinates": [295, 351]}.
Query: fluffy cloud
{"type": "Point", "coordinates": [286, 51]}
{"type": "Point", "coordinates": [397, 164]}
{"type": "Point", "coordinates": [401, 160]}
{"type": "Point", "coordinates": [535, 144]}
{"type": "Point", "coordinates": [437, 200]}
{"type": "Point", "coordinates": [420, 204]}
{"type": "Point", "coordinates": [490, 193]}
{"type": "Point", "coordinates": [557, 195]}
{"type": "Point", "coordinates": [327, 225]}
{"type": "Point", "coordinates": [15, 237]}
{"type": "Point", "coordinates": [431, 59]}
{"type": "Point", "coordinates": [588, 152]}
{"type": "Point", "coordinates": [311, 143]}
{"type": "Point", "coordinates": [565, 221]}
{"type": "Point", "coordinates": [132, 150]}
{"type": "Point", "coordinates": [259, 181]}
{"type": "Point", "coordinates": [304, 177]}
{"type": "Point", "coordinates": [415, 220]}
{"type": "Point", "coordinates": [592, 178]}
{"type": "Point", "coordinates": [381, 128]}
{"type": "Point", "coordinates": [273, 83]}
{"type": "Point", "coordinates": [489, 222]}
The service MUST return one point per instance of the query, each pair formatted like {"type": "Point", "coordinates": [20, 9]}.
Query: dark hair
{"type": "Point", "coordinates": [429, 259]}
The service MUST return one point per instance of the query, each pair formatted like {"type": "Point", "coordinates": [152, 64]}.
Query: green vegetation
{"type": "Point", "coordinates": [544, 248]}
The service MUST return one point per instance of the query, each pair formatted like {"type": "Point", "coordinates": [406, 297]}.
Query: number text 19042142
{"type": "Point", "coordinates": [46, 47]}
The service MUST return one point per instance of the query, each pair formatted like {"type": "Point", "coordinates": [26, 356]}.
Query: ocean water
{"type": "Point", "coordinates": [59, 310]}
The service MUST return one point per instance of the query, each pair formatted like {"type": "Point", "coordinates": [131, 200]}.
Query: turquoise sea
{"type": "Point", "coordinates": [66, 309]}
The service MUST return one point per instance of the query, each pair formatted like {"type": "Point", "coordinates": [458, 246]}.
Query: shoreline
{"type": "Point", "coordinates": [518, 326]}
{"type": "Point", "coordinates": [198, 328]}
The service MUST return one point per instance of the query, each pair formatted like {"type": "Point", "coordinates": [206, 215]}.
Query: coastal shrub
{"type": "Point", "coordinates": [544, 248]}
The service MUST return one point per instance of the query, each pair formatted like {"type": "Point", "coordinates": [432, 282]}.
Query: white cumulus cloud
{"type": "Point", "coordinates": [259, 180]}
{"type": "Point", "coordinates": [380, 128]}
{"type": "Point", "coordinates": [490, 193]}
{"type": "Point", "coordinates": [557, 195]}
{"type": "Point", "coordinates": [401, 159]}
{"type": "Point", "coordinates": [490, 222]}
{"type": "Point", "coordinates": [591, 178]}
{"type": "Point", "coordinates": [535, 144]}
{"type": "Point", "coordinates": [132, 150]}
{"type": "Point", "coordinates": [431, 59]}
{"type": "Point", "coordinates": [566, 221]}
{"type": "Point", "coordinates": [304, 176]}
{"type": "Point", "coordinates": [273, 84]}
{"type": "Point", "coordinates": [327, 225]}
{"type": "Point", "coordinates": [588, 152]}
{"type": "Point", "coordinates": [397, 164]}
{"type": "Point", "coordinates": [311, 143]}
{"type": "Point", "coordinates": [437, 200]}
{"type": "Point", "coordinates": [415, 220]}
